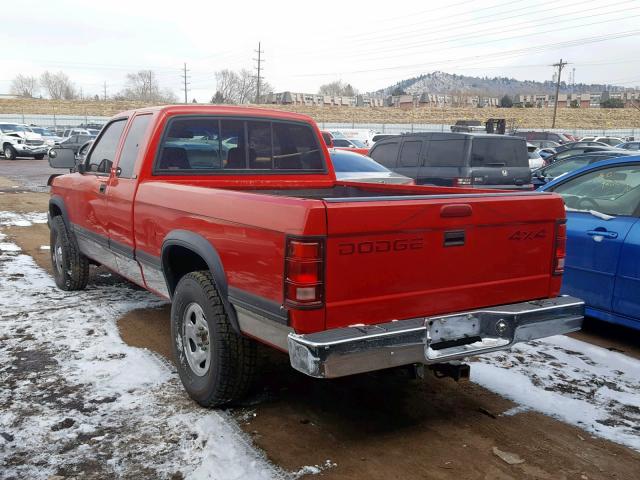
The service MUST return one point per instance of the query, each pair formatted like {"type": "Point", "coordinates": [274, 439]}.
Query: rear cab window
{"type": "Point", "coordinates": [201, 145]}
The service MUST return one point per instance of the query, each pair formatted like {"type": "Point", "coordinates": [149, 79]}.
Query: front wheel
{"type": "Point", "coordinates": [9, 152]}
{"type": "Point", "coordinates": [70, 267]}
{"type": "Point", "coordinates": [39, 156]}
{"type": "Point", "coordinates": [216, 364]}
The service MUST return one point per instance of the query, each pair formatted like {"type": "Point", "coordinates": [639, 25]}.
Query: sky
{"type": "Point", "coordinates": [370, 45]}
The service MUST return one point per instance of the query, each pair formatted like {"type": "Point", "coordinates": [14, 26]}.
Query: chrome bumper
{"type": "Point", "coordinates": [358, 349]}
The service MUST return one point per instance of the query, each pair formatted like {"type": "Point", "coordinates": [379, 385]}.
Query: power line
{"type": "Point", "coordinates": [560, 65]}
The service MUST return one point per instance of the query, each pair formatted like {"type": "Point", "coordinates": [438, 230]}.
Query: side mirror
{"type": "Point", "coordinates": [62, 157]}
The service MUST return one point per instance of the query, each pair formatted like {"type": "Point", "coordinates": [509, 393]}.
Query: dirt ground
{"type": "Point", "coordinates": [385, 425]}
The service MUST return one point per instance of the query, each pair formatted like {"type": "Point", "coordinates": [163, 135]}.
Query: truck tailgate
{"type": "Point", "coordinates": [396, 258]}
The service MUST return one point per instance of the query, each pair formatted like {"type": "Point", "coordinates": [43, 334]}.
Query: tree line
{"type": "Point", "coordinates": [142, 85]}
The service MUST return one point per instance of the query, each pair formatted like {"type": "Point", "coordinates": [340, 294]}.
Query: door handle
{"type": "Point", "coordinates": [602, 233]}
{"type": "Point", "coordinates": [102, 188]}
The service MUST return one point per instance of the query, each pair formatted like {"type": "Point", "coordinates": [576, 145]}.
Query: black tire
{"type": "Point", "coordinates": [9, 152]}
{"type": "Point", "coordinates": [39, 156]}
{"type": "Point", "coordinates": [70, 267]}
{"type": "Point", "coordinates": [228, 373]}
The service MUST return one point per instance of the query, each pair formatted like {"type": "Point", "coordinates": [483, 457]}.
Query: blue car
{"type": "Point", "coordinates": [603, 238]}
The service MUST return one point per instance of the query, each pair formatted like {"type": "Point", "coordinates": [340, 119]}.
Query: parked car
{"type": "Point", "coordinates": [328, 138]}
{"type": "Point", "coordinates": [580, 144]}
{"type": "Point", "coordinates": [76, 131]}
{"type": "Point", "coordinates": [49, 137]}
{"type": "Point", "coordinates": [554, 137]}
{"type": "Point", "coordinates": [74, 142]}
{"type": "Point", "coordinates": [546, 153]}
{"type": "Point", "coordinates": [328, 272]}
{"type": "Point", "coordinates": [611, 141]}
{"type": "Point", "coordinates": [602, 265]}
{"type": "Point", "coordinates": [576, 151]}
{"type": "Point", "coordinates": [562, 167]}
{"type": "Point", "coordinates": [354, 167]}
{"type": "Point", "coordinates": [544, 143]}
{"type": "Point", "coordinates": [535, 159]}
{"type": "Point", "coordinates": [353, 145]}
{"type": "Point", "coordinates": [634, 146]}
{"type": "Point", "coordinates": [18, 141]}
{"type": "Point", "coordinates": [457, 159]}
{"type": "Point", "coordinates": [381, 136]}
{"type": "Point", "coordinates": [83, 151]}
{"type": "Point", "coordinates": [363, 136]}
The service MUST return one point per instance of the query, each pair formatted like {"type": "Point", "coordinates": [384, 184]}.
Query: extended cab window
{"type": "Point", "coordinates": [132, 145]}
{"type": "Point", "coordinates": [104, 151]}
{"type": "Point", "coordinates": [240, 145]}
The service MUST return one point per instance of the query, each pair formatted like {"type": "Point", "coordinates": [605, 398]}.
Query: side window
{"type": "Point", "coordinates": [446, 153]}
{"type": "Point", "coordinates": [295, 147]}
{"type": "Point", "coordinates": [234, 154]}
{"type": "Point", "coordinates": [104, 151]}
{"type": "Point", "coordinates": [410, 154]}
{"type": "Point", "coordinates": [132, 145]}
{"type": "Point", "coordinates": [189, 144]}
{"type": "Point", "coordinates": [259, 138]}
{"type": "Point", "coordinates": [341, 143]}
{"type": "Point", "coordinates": [614, 190]}
{"type": "Point", "coordinates": [386, 154]}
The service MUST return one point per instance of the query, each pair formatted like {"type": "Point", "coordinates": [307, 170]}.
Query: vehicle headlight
{"type": "Point", "coordinates": [20, 141]}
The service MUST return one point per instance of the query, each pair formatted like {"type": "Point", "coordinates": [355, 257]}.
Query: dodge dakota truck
{"type": "Point", "coordinates": [235, 215]}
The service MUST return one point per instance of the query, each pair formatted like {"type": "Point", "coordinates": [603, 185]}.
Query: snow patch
{"type": "Point", "coordinates": [11, 219]}
{"type": "Point", "coordinates": [576, 382]}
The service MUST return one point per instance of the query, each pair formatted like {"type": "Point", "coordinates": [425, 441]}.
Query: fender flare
{"type": "Point", "coordinates": [57, 201]}
{"type": "Point", "coordinates": [202, 247]}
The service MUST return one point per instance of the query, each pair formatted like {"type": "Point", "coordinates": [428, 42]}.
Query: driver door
{"type": "Point", "coordinates": [89, 204]}
{"type": "Point", "coordinates": [594, 242]}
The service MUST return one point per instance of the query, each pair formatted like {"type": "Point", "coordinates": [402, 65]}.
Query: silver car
{"type": "Point", "coordinates": [353, 167]}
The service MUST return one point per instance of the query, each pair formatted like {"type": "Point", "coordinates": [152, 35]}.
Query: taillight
{"type": "Point", "coordinates": [461, 181]}
{"type": "Point", "coordinates": [560, 247]}
{"type": "Point", "coordinates": [304, 273]}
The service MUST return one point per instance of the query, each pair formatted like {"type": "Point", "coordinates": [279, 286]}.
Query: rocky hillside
{"type": "Point", "coordinates": [446, 83]}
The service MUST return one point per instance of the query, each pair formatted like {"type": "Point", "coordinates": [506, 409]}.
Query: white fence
{"type": "Point", "coordinates": [74, 120]}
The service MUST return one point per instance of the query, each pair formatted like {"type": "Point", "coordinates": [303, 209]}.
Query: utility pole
{"type": "Point", "coordinates": [560, 65]}
{"type": "Point", "coordinates": [259, 60]}
{"type": "Point", "coordinates": [185, 78]}
{"type": "Point", "coordinates": [104, 96]}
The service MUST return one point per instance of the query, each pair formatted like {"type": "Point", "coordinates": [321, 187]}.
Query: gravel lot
{"type": "Point", "coordinates": [89, 391]}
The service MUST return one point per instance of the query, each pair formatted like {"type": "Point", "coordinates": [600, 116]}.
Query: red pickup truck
{"type": "Point", "coordinates": [235, 215]}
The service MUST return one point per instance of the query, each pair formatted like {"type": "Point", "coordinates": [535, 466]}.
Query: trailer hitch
{"type": "Point", "coordinates": [456, 370]}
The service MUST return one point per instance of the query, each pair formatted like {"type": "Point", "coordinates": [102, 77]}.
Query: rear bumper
{"type": "Point", "coordinates": [358, 349]}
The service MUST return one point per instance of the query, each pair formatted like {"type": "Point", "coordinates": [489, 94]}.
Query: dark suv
{"type": "Point", "coordinates": [457, 159]}
{"type": "Point", "coordinates": [554, 137]}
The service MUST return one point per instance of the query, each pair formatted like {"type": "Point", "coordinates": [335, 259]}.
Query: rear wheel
{"type": "Point", "coordinates": [70, 267]}
{"type": "Point", "coordinates": [9, 152]}
{"type": "Point", "coordinates": [216, 364]}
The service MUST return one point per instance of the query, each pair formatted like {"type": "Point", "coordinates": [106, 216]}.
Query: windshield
{"type": "Point", "coordinates": [560, 168]}
{"type": "Point", "coordinates": [10, 127]}
{"type": "Point", "coordinates": [353, 162]}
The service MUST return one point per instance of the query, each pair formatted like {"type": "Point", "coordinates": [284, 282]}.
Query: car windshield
{"type": "Point", "coordinates": [566, 166]}
{"type": "Point", "coordinates": [10, 127]}
{"type": "Point", "coordinates": [353, 162]}
{"type": "Point", "coordinates": [358, 143]}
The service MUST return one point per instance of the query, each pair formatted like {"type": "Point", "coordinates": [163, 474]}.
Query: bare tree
{"type": "Point", "coordinates": [226, 87]}
{"type": "Point", "coordinates": [338, 88]}
{"type": "Point", "coordinates": [25, 86]}
{"type": "Point", "coordinates": [238, 87]}
{"type": "Point", "coordinates": [143, 85]}
{"type": "Point", "coordinates": [58, 86]}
